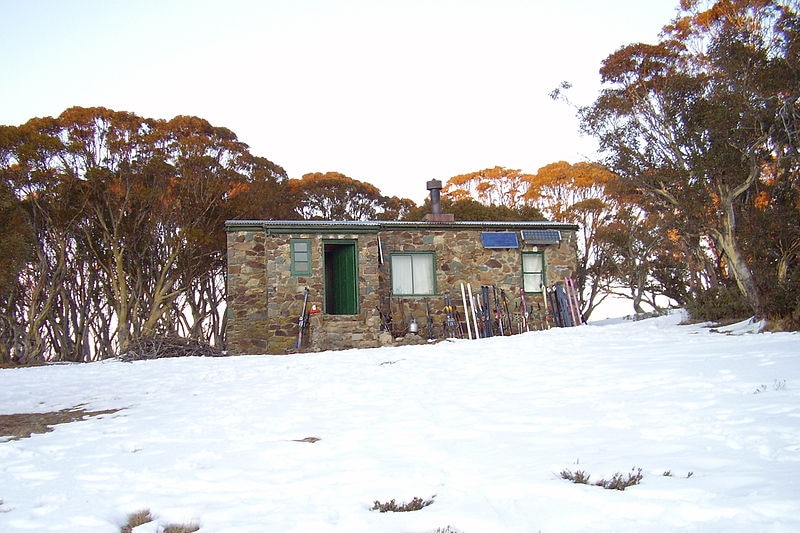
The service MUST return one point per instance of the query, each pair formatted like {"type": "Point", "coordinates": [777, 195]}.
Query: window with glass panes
{"type": "Point", "coordinates": [533, 271]}
{"type": "Point", "coordinates": [412, 273]}
{"type": "Point", "coordinates": [301, 257]}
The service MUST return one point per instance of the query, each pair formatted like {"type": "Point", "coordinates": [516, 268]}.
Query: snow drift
{"type": "Point", "coordinates": [308, 443]}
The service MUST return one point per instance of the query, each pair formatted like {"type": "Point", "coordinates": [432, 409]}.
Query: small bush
{"type": "Point", "coordinates": [777, 385]}
{"type": "Point", "coordinates": [392, 506]}
{"type": "Point", "coordinates": [782, 304]}
{"type": "Point", "coordinates": [621, 482]}
{"type": "Point", "coordinates": [617, 482]}
{"type": "Point", "coordinates": [140, 518]}
{"type": "Point", "coordinates": [669, 473]}
{"type": "Point", "coordinates": [576, 477]}
{"type": "Point", "coordinates": [719, 303]}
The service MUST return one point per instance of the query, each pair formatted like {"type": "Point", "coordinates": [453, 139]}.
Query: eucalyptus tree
{"type": "Point", "coordinates": [127, 228]}
{"type": "Point", "coordinates": [707, 122]}
{"type": "Point", "coordinates": [334, 196]}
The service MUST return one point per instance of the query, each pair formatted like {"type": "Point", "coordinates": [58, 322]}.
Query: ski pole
{"type": "Point", "coordinates": [466, 311]}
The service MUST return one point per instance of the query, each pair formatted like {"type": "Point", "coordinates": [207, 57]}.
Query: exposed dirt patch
{"type": "Point", "coordinates": [23, 425]}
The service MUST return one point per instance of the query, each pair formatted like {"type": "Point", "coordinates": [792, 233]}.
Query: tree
{"type": "Point", "coordinates": [473, 210]}
{"type": "Point", "coordinates": [16, 249]}
{"type": "Point", "coordinates": [127, 216]}
{"type": "Point", "coordinates": [15, 246]}
{"type": "Point", "coordinates": [703, 120]}
{"type": "Point", "coordinates": [643, 261]}
{"type": "Point", "coordinates": [578, 193]}
{"type": "Point", "coordinates": [491, 186]}
{"type": "Point", "coordinates": [334, 196]}
{"type": "Point", "coordinates": [395, 208]}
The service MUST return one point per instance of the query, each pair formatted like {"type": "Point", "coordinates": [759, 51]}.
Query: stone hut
{"type": "Point", "coordinates": [374, 283]}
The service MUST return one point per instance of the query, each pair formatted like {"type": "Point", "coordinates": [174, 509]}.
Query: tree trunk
{"type": "Point", "coordinates": [787, 257]}
{"type": "Point", "coordinates": [736, 262]}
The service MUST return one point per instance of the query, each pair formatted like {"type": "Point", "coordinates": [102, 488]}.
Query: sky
{"type": "Point", "coordinates": [394, 93]}
{"type": "Point", "coordinates": [483, 428]}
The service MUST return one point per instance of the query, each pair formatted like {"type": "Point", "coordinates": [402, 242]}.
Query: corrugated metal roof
{"type": "Point", "coordinates": [378, 225]}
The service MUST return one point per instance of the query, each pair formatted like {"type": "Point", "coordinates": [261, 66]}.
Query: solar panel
{"type": "Point", "coordinates": [541, 236]}
{"type": "Point", "coordinates": [499, 239]}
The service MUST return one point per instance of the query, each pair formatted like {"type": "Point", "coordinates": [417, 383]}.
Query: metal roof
{"type": "Point", "coordinates": [352, 226]}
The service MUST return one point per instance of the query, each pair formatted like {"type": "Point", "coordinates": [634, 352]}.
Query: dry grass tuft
{"type": "Point", "coordinates": [181, 528]}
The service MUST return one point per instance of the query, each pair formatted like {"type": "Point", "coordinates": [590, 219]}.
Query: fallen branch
{"type": "Point", "coordinates": [163, 347]}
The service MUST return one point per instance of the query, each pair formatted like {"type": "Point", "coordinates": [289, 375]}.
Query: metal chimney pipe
{"type": "Point", "coordinates": [435, 186]}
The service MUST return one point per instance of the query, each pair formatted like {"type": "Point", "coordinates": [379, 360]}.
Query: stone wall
{"type": "Point", "coordinates": [247, 317]}
{"type": "Point", "coordinates": [461, 258]}
{"type": "Point", "coordinates": [265, 299]}
{"type": "Point", "coordinates": [286, 292]}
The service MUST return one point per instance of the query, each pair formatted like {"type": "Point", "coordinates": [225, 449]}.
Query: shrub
{"type": "Point", "coordinates": [576, 477]}
{"type": "Point", "coordinates": [621, 482]}
{"type": "Point", "coordinates": [719, 303]}
{"type": "Point", "coordinates": [139, 518]}
{"type": "Point", "coordinates": [782, 304]}
{"type": "Point", "coordinates": [391, 506]}
{"type": "Point", "coordinates": [617, 482]}
{"type": "Point", "coordinates": [777, 385]}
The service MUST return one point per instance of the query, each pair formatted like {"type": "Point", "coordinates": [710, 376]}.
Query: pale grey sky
{"type": "Point", "coordinates": [394, 93]}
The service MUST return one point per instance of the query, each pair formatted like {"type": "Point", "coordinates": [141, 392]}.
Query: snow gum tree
{"type": "Point", "coordinates": [577, 193]}
{"type": "Point", "coordinates": [126, 232]}
{"type": "Point", "coordinates": [490, 186]}
{"type": "Point", "coordinates": [707, 123]}
{"type": "Point", "coordinates": [334, 196]}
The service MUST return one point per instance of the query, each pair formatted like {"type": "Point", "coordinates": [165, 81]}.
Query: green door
{"type": "Point", "coordinates": [341, 279]}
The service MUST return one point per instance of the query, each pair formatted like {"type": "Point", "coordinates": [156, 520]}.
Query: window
{"type": "Point", "coordinates": [301, 257]}
{"type": "Point", "coordinates": [412, 273]}
{"type": "Point", "coordinates": [533, 271]}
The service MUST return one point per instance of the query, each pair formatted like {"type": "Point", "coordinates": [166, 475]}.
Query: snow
{"type": "Point", "coordinates": [482, 426]}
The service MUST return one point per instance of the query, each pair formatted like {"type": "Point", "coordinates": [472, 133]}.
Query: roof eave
{"type": "Point", "coordinates": [373, 226]}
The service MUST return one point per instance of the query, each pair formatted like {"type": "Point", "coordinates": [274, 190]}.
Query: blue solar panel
{"type": "Point", "coordinates": [541, 236]}
{"type": "Point", "coordinates": [499, 239]}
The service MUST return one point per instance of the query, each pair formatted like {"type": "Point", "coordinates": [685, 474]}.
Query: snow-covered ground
{"type": "Point", "coordinates": [483, 427]}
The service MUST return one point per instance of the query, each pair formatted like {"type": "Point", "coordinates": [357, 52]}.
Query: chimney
{"type": "Point", "coordinates": [436, 200]}
{"type": "Point", "coordinates": [436, 215]}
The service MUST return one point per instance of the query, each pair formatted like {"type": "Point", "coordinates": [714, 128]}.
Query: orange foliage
{"type": "Point", "coordinates": [490, 186]}
{"type": "Point", "coordinates": [237, 188]}
{"type": "Point", "coordinates": [761, 201]}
